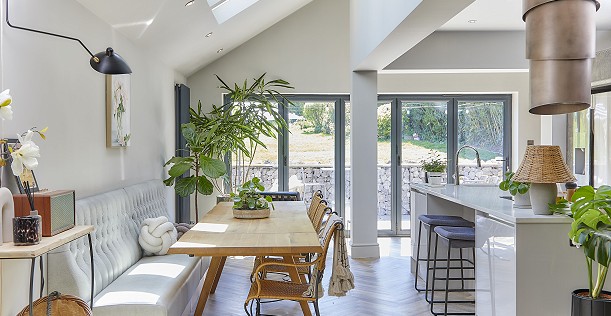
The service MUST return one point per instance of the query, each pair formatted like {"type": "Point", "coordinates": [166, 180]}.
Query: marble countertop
{"type": "Point", "coordinates": [488, 199]}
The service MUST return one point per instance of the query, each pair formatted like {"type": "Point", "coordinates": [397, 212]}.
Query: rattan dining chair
{"type": "Point", "coordinates": [265, 289]}
{"type": "Point", "coordinates": [316, 198]}
{"type": "Point", "coordinates": [317, 220]}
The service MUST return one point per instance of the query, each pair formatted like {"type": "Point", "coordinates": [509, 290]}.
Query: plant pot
{"type": "Point", "coordinates": [521, 200]}
{"type": "Point", "coordinates": [586, 306]}
{"type": "Point", "coordinates": [251, 214]}
{"type": "Point", "coordinates": [434, 178]}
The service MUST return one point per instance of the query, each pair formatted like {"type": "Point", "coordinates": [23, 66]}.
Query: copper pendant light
{"type": "Point", "coordinates": [560, 44]}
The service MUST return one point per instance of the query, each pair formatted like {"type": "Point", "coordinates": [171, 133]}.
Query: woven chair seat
{"type": "Point", "coordinates": [271, 289]}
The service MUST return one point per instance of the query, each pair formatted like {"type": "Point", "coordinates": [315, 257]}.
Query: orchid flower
{"type": "Point", "coordinates": [25, 156]}
{"type": "Point", "coordinates": [6, 111]}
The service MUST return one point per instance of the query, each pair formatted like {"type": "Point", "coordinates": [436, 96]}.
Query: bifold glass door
{"type": "Point", "coordinates": [414, 128]}
{"type": "Point", "coordinates": [311, 154]}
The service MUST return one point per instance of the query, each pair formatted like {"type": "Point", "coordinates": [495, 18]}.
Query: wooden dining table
{"type": "Point", "coordinates": [288, 231]}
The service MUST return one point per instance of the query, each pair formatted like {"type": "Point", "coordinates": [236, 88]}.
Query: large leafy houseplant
{"type": "Point", "coordinates": [591, 232]}
{"type": "Point", "coordinates": [205, 169]}
{"type": "Point", "coordinates": [234, 129]}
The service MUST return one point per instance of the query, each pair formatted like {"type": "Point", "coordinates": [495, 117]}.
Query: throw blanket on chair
{"type": "Point", "coordinates": [342, 279]}
{"type": "Point", "coordinates": [156, 236]}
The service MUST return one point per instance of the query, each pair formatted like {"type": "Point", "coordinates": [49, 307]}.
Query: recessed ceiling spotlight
{"type": "Point", "coordinates": [472, 21]}
{"type": "Point", "coordinates": [190, 2]}
{"type": "Point", "coordinates": [209, 34]}
{"type": "Point", "coordinates": [220, 50]}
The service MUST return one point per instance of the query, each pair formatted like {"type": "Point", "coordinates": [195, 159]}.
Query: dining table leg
{"type": "Point", "coordinates": [296, 278]}
{"type": "Point", "coordinates": [218, 275]}
{"type": "Point", "coordinates": [214, 269]}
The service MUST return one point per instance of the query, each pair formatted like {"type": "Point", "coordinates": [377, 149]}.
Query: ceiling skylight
{"type": "Point", "coordinates": [224, 10]}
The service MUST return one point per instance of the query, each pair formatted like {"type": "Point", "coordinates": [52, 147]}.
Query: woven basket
{"type": "Point", "coordinates": [251, 214]}
{"type": "Point", "coordinates": [61, 304]}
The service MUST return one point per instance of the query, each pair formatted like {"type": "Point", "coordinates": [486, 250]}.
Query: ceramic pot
{"type": "Point", "coordinates": [434, 178]}
{"type": "Point", "coordinates": [586, 306]}
{"type": "Point", "coordinates": [521, 200]}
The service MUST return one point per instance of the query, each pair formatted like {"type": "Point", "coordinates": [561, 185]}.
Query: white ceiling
{"type": "Point", "coordinates": [505, 15]}
{"type": "Point", "coordinates": [176, 33]}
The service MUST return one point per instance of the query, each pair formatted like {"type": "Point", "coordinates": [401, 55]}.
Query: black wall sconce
{"type": "Point", "coordinates": [107, 62]}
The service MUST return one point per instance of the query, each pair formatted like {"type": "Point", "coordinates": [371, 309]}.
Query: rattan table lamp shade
{"type": "Point", "coordinates": [543, 164]}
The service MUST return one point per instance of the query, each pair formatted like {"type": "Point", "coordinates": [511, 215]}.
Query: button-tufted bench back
{"type": "Point", "coordinates": [117, 216]}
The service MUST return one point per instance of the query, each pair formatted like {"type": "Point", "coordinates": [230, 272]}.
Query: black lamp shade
{"type": "Point", "coordinates": [109, 63]}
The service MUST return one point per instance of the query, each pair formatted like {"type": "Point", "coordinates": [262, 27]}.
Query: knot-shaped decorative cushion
{"type": "Point", "coordinates": [156, 236]}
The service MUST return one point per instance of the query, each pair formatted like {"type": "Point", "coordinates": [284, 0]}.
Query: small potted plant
{"type": "Point", "coordinates": [591, 232]}
{"type": "Point", "coordinates": [434, 167]}
{"type": "Point", "coordinates": [519, 190]}
{"type": "Point", "coordinates": [248, 201]}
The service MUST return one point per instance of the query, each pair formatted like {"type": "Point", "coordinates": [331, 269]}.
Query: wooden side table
{"type": "Point", "coordinates": [10, 251]}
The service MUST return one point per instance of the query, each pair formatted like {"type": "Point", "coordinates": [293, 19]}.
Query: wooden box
{"type": "Point", "coordinates": [55, 207]}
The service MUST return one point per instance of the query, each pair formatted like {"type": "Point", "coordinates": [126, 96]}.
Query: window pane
{"type": "Point", "coordinates": [312, 149]}
{"type": "Point", "coordinates": [480, 124]}
{"type": "Point", "coordinates": [424, 130]}
{"type": "Point", "coordinates": [264, 164]}
{"type": "Point", "coordinates": [384, 170]}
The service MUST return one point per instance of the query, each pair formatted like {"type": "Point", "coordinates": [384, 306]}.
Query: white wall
{"type": "Point", "coordinates": [53, 85]}
{"type": "Point", "coordinates": [466, 50]}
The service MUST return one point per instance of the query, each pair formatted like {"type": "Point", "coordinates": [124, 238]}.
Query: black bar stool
{"type": "Point", "coordinates": [430, 222]}
{"type": "Point", "coordinates": [453, 237]}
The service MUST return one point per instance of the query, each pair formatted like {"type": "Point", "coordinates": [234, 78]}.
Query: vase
{"type": "Point", "coordinates": [7, 212]}
{"type": "Point", "coordinates": [521, 200]}
{"type": "Point", "coordinates": [251, 214]}
{"type": "Point", "coordinates": [8, 180]}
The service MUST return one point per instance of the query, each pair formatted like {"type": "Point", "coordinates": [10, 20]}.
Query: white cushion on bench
{"type": "Point", "coordinates": [153, 286]}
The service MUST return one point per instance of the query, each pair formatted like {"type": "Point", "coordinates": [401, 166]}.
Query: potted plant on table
{"type": "Point", "coordinates": [434, 167]}
{"type": "Point", "coordinates": [591, 232]}
{"type": "Point", "coordinates": [248, 201]}
{"type": "Point", "coordinates": [519, 190]}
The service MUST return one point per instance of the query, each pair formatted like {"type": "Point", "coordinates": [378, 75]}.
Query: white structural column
{"type": "Point", "coordinates": [363, 155]}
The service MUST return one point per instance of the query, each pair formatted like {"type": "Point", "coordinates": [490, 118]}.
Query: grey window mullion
{"type": "Point", "coordinates": [340, 156]}
{"type": "Point", "coordinates": [452, 137]}
{"type": "Point", "coordinates": [283, 149]}
{"type": "Point", "coordinates": [395, 173]}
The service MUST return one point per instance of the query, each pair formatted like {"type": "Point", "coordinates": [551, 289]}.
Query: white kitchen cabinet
{"type": "Point", "coordinates": [496, 266]}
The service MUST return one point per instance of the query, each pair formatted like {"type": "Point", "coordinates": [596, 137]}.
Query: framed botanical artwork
{"type": "Point", "coordinates": [118, 98]}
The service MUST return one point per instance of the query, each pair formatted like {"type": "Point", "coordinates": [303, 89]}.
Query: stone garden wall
{"type": "Point", "coordinates": [321, 177]}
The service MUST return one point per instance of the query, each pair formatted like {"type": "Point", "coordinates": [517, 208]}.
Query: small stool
{"type": "Point", "coordinates": [453, 237]}
{"type": "Point", "coordinates": [430, 222]}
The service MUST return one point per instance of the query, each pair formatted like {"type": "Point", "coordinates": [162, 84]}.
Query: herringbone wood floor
{"type": "Point", "coordinates": [383, 287]}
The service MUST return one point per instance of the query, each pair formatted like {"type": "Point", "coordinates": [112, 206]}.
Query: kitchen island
{"type": "Point", "coordinates": [525, 264]}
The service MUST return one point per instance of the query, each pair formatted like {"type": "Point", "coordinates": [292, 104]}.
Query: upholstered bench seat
{"type": "Point", "coordinates": [153, 286]}
{"type": "Point", "coordinates": [126, 283]}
